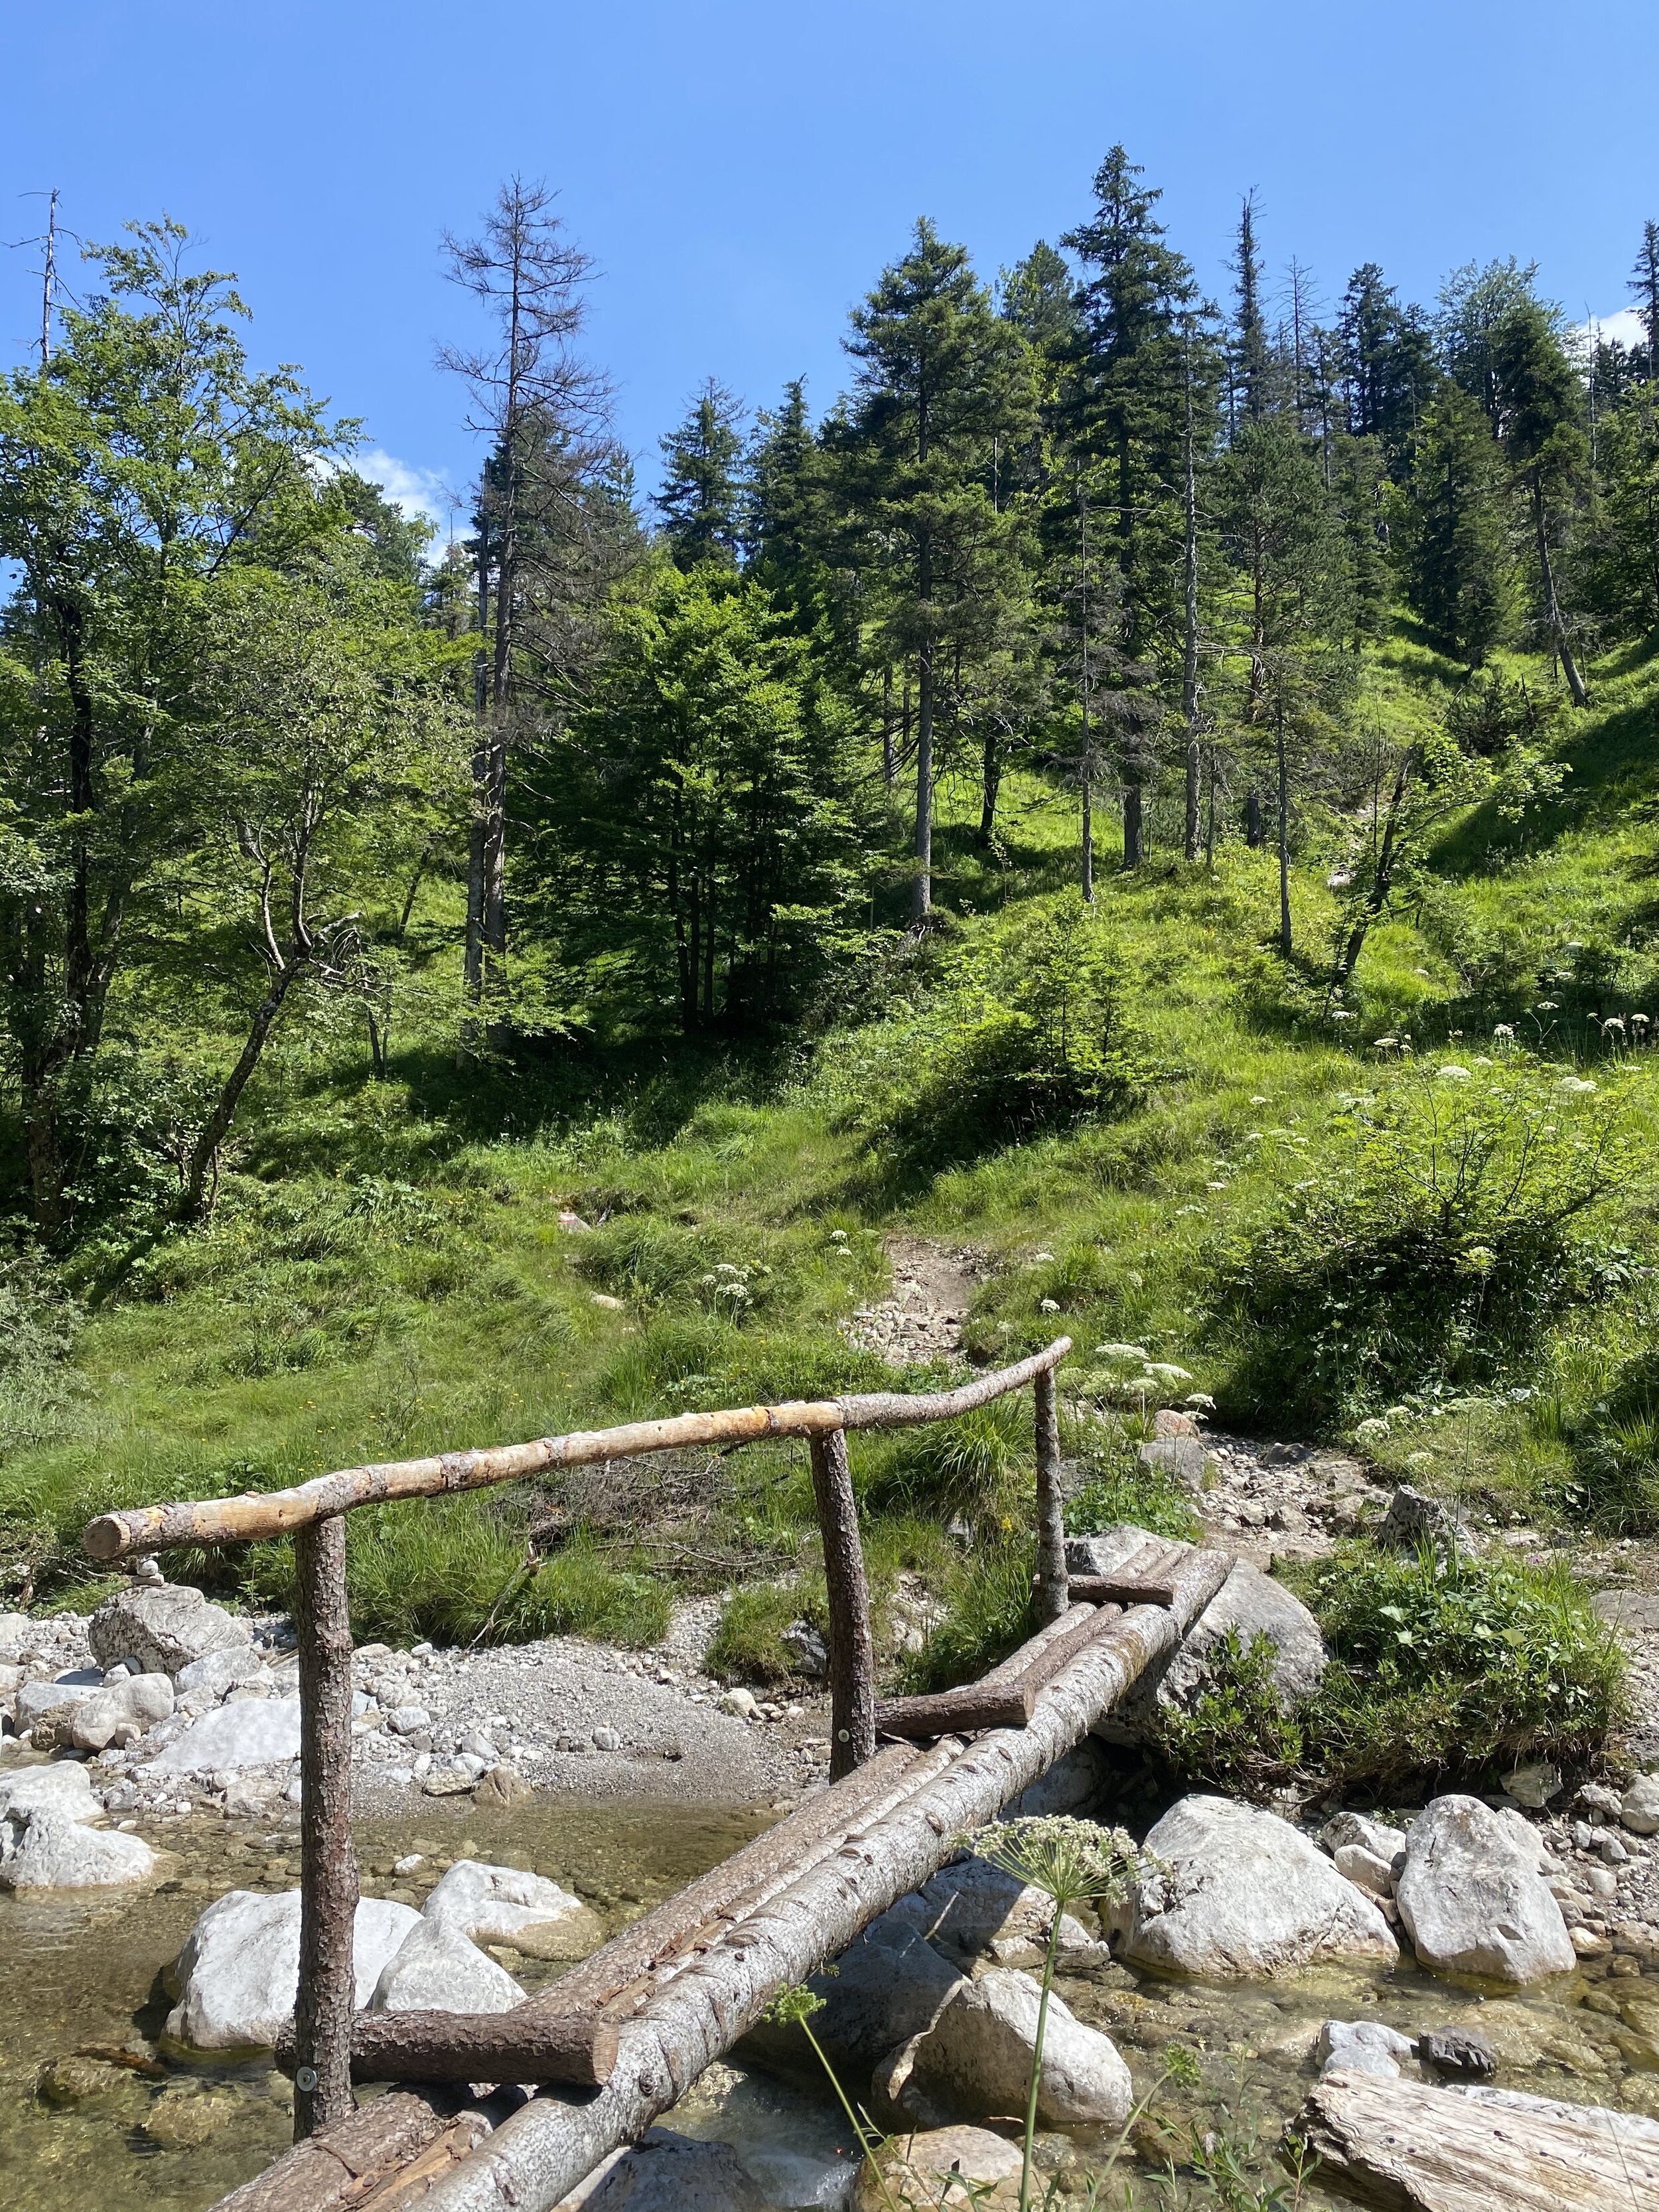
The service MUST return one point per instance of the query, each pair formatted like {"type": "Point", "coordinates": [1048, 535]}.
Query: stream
{"type": "Point", "coordinates": [93, 2114]}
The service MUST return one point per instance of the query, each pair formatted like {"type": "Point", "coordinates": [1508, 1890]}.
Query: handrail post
{"type": "Point", "coordinates": [852, 1649]}
{"type": "Point", "coordinates": [328, 1863]}
{"type": "Point", "coordinates": [1053, 1597]}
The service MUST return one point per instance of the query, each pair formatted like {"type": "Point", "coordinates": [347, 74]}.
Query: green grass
{"type": "Point", "coordinates": [385, 1274]}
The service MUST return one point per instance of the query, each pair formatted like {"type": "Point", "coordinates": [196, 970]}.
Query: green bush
{"type": "Point", "coordinates": [1154, 1501]}
{"type": "Point", "coordinates": [748, 1646]}
{"type": "Point", "coordinates": [1235, 1735]}
{"type": "Point", "coordinates": [1443, 1670]}
{"type": "Point", "coordinates": [1617, 1452]}
{"type": "Point", "coordinates": [1436, 1239]}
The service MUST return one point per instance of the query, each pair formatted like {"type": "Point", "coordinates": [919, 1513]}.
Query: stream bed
{"type": "Point", "coordinates": [93, 2114]}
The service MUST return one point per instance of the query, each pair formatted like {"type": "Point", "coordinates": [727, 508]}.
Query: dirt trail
{"type": "Point", "coordinates": [933, 1286]}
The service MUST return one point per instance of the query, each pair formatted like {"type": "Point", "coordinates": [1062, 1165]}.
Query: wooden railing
{"type": "Point", "coordinates": [314, 1514]}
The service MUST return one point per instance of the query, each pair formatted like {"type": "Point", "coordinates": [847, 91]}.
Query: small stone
{"type": "Point", "coordinates": [1596, 1797]}
{"type": "Point", "coordinates": [1462, 2050]}
{"type": "Point", "coordinates": [606, 1739]}
{"type": "Point", "coordinates": [1365, 1869]}
{"type": "Point", "coordinates": [603, 1299]}
{"type": "Point", "coordinates": [1586, 1944]}
{"type": "Point", "coordinates": [409, 1720]}
{"type": "Point", "coordinates": [503, 1785]}
{"type": "Point", "coordinates": [409, 1862]}
{"type": "Point", "coordinates": [1363, 2046]}
{"type": "Point", "coordinates": [1533, 1785]}
{"type": "Point", "coordinates": [447, 1781]}
{"type": "Point", "coordinates": [739, 1704]}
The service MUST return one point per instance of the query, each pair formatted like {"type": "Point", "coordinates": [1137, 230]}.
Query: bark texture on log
{"type": "Point", "coordinates": [529, 2043]}
{"type": "Point", "coordinates": [1404, 2147]}
{"type": "Point", "coordinates": [280, 1512]}
{"type": "Point", "coordinates": [539, 2153]}
{"type": "Point", "coordinates": [851, 1651]}
{"type": "Point", "coordinates": [1052, 1596]}
{"type": "Point", "coordinates": [1119, 1589]}
{"type": "Point", "coordinates": [328, 1863]}
{"type": "Point", "coordinates": [384, 2143]}
{"type": "Point", "coordinates": [965, 1711]}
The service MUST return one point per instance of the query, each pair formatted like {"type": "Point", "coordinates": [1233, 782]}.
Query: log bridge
{"type": "Point", "coordinates": [620, 2037]}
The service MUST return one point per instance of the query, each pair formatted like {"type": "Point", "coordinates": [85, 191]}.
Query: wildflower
{"type": "Point", "coordinates": [1122, 1351]}
{"type": "Point", "coordinates": [1048, 1305]}
{"type": "Point", "coordinates": [1503, 1034]}
{"type": "Point", "coordinates": [1260, 1101]}
{"type": "Point", "coordinates": [1453, 1073]}
{"type": "Point", "coordinates": [1167, 1372]}
{"type": "Point", "coordinates": [1038, 1258]}
{"type": "Point", "coordinates": [1372, 1431]}
{"type": "Point", "coordinates": [1575, 1087]}
{"type": "Point", "coordinates": [1201, 1401]}
{"type": "Point", "coordinates": [1341, 1014]}
{"type": "Point", "coordinates": [1215, 1186]}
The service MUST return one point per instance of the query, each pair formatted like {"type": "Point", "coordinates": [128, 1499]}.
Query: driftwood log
{"type": "Point", "coordinates": [528, 2043]}
{"type": "Point", "coordinates": [1402, 2147]}
{"type": "Point", "coordinates": [280, 1512]}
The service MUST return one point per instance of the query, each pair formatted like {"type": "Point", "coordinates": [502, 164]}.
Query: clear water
{"type": "Point", "coordinates": [81, 1974]}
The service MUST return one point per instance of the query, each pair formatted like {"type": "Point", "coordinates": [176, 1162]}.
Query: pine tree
{"type": "Point", "coordinates": [1251, 354]}
{"type": "Point", "coordinates": [1388, 365]}
{"type": "Point", "coordinates": [701, 502]}
{"type": "Point", "coordinates": [1644, 283]}
{"type": "Point", "coordinates": [1540, 401]}
{"type": "Point", "coordinates": [1451, 538]}
{"type": "Point", "coordinates": [1038, 297]}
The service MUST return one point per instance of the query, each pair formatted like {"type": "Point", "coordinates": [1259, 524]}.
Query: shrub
{"type": "Point", "coordinates": [1455, 1669]}
{"type": "Point", "coordinates": [1436, 1240]}
{"type": "Point", "coordinates": [1154, 1501]}
{"type": "Point", "coordinates": [989, 1611]}
{"type": "Point", "coordinates": [1235, 1735]}
{"type": "Point", "coordinates": [748, 1646]}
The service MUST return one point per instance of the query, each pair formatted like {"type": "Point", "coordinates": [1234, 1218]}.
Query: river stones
{"type": "Point", "coordinates": [239, 1972]}
{"type": "Point", "coordinates": [975, 2060]}
{"type": "Point", "coordinates": [47, 1848]}
{"type": "Point", "coordinates": [1639, 1807]}
{"type": "Point", "coordinates": [162, 1626]}
{"type": "Point", "coordinates": [973, 1907]}
{"type": "Point", "coordinates": [121, 1711]}
{"type": "Point", "coordinates": [219, 1670]}
{"type": "Point", "coordinates": [504, 1904]}
{"type": "Point", "coordinates": [40, 1703]}
{"type": "Point", "coordinates": [884, 1989]}
{"type": "Point", "coordinates": [436, 1969]}
{"type": "Point", "coordinates": [1472, 1901]}
{"type": "Point", "coordinates": [1234, 1892]}
{"type": "Point", "coordinates": [665, 2172]}
{"type": "Point", "coordinates": [1461, 2051]}
{"type": "Point", "coordinates": [64, 1787]}
{"type": "Point", "coordinates": [1363, 2046]}
{"type": "Point", "coordinates": [942, 2170]}
{"type": "Point", "coordinates": [254, 1732]}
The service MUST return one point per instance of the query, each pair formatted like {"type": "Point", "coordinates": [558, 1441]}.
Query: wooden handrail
{"type": "Point", "coordinates": [255, 1515]}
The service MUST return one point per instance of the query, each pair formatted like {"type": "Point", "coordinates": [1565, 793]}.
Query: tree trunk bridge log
{"type": "Point", "coordinates": [328, 1863]}
{"type": "Point", "coordinates": [704, 1996]}
{"type": "Point", "coordinates": [1005, 1698]}
{"type": "Point", "coordinates": [528, 2043]}
{"type": "Point", "coordinates": [851, 1652]}
{"type": "Point", "coordinates": [1404, 2147]}
{"type": "Point", "coordinates": [280, 1512]}
{"type": "Point", "coordinates": [1052, 1597]}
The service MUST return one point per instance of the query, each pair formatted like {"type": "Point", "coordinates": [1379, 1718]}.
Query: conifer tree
{"type": "Point", "coordinates": [701, 502]}
{"type": "Point", "coordinates": [1251, 355]}
{"type": "Point", "coordinates": [1451, 535]}
{"type": "Point", "coordinates": [1539, 399]}
{"type": "Point", "coordinates": [1644, 283]}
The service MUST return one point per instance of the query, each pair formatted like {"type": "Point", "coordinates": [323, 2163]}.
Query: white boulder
{"type": "Point", "coordinates": [239, 1972]}
{"type": "Point", "coordinates": [1364, 1869]}
{"type": "Point", "coordinates": [48, 1848]}
{"type": "Point", "coordinates": [436, 1969]}
{"type": "Point", "coordinates": [17, 1634]}
{"type": "Point", "coordinates": [256, 1732]}
{"type": "Point", "coordinates": [1473, 1903]}
{"type": "Point", "coordinates": [217, 1671]}
{"type": "Point", "coordinates": [1374, 1836]}
{"type": "Point", "coordinates": [1242, 1893]}
{"type": "Point", "coordinates": [64, 1787]}
{"type": "Point", "coordinates": [1251, 1604]}
{"type": "Point", "coordinates": [164, 1626]}
{"type": "Point", "coordinates": [1363, 2046]}
{"type": "Point", "coordinates": [975, 2060]}
{"type": "Point", "coordinates": [40, 1703]}
{"type": "Point", "coordinates": [120, 1713]}
{"type": "Point", "coordinates": [504, 1904]}
{"type": "Point", "coordinates": [1639, 1809]}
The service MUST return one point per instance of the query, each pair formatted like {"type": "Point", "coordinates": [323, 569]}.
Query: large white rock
{"type": "Point", "coordinates": [1245, 1894]}
{"type": "Point", "coordinates": [255, 1732]}
{"type": "Point", "coordinates": [436, 1969]}
{"type": "Point", "coordinates": [503, 1904]}
{"type": "Point", "coordinates": [122, 1712]}
{"type": "Point", "coordinates": [217, 1670]}
{"type": "Point", "coordinates": [1363, 2046]}
{"type": "Point", "coordinates": [975, 2060]}
{"type": "Point", "coordinates": [1473, 1904]}
{"type": "Point", "coordinates": [163, 1625]}
{"type": "Point", "coordinates": [1639, 1807]}
{"type": "Point", "coordinates": [44, 1701]}
{"type": "Point", "coordinates": [64, 1787]}
{"type": "Point", "coordinates": [973, 1907]}
{"type": "Point", "coordinates": [239, 1972]}
{"type": "Point", "coordinates": [47, 1848]}
{"type": "Point", "coordinates": [1253, 1604]}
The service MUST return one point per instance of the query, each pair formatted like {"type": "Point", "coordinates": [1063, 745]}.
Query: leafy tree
{"type": "Point", "coordinates": [943, 390]}
{"type": "Point", "coordinates": [701, 502]}
{"type": "Point", "coordinates": [1451, 538]}
{"type": "Point", "coordinates": [145, 461]}
{"type": "Point", "coordinates": [697, 823]}
{"type": "Point", "coordinates": [394, 544]}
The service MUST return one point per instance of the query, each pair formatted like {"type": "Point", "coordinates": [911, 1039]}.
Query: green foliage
{"type": "Point", "coordinates": [990, 1613]}
{"type": "Point", "coordinates": [37, 1329]}
{"type": "Point", "coordinates": [748, 1646]}
{"type": "Point", "coordinates": [977, 1467]}
{"type": "Point", "coordinates": [1456, 1669]}
{"type": "Point", "coordinates": [1616, 1448]}
{"type": "Point", "coordinates": [1439, 1232]}
{"type": "Point", "coordinates": [1235, 1735]}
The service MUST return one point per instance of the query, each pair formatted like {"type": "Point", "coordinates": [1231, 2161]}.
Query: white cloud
{"type": "Point", "coordinates": [424, 492]}
{"type": "Point", "coordinates": [1624, 328]}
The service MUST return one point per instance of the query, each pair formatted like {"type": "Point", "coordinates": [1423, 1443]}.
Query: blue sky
{"type": "Point", "coordinates": [740, 172]}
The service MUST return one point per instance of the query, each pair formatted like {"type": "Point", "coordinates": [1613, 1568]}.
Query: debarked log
{"type": "Point", "coordinates": [527, 2043]}
{"type": "Point", "coordinates": [688, 1980]}
{"type": "Point", "coordinates": [1402, 2147]}
{"type": "Point", "coordinates": [543, 2150]}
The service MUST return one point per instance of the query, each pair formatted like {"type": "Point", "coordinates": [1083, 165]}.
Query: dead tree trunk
{"type": "Point", "coordinates": [1052, 1598]}
{"type": "Point", "coordinates": [851, 1652]}
{"type": "Point", "coordinates": [328, 1864]}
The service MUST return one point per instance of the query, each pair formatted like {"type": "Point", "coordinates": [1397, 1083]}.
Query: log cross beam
{"type": "Point", "coordinates": [314, 1514]}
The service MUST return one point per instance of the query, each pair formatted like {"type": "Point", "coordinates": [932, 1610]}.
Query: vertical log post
{"type": "Point", "coordinates": [328, 1863]}
{"type": "Point", "coordinates": [852, 1650]}
{"type": "Point", "coordinates": [1053, 1596]}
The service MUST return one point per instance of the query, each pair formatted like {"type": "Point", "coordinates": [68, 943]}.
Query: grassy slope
{"type": "Point", "coordinates": [387, 1274]}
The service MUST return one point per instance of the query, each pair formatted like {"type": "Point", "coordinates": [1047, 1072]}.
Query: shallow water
{"type": "Point", "coordinates": [81, 1974]}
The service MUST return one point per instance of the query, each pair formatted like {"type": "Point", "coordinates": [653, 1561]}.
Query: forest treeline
{"type": "Point", "coordinates": [612, 764]}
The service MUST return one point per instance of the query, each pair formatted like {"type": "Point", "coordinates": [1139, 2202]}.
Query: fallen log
{"type": "Point", "coordinates": [280, 1512]}
{"type": "Point", "coordinates": [965, 1711]}
{"type": "Point", "coordinates": [687, 1980]}
{"type": "Point", "coordinates": [525, 2044]}
{"type": "Point", "coordinates": [543, 2150]}
{"type": "Point", "coordinates": [1119, 1589]}
{"type": "Point", "coordinates": [1401, 2147]}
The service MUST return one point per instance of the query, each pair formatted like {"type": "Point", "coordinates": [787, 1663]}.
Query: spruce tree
{"type": "Point", "coordinates": [1644, 283]}
{"type": "Point", "coordinates": [1451, 538]}
{"type": "Point", "coordinates": [1251, 354]}
{"type": "Point", "coordinates": [701, 502]}
{"type": "Point", "coordinates": [1540, 401]}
